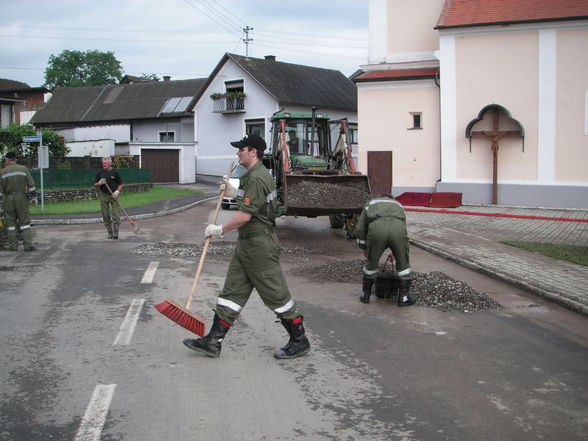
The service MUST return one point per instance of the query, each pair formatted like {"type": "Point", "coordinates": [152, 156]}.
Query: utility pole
{"type": "Point", "coordinates": [247, 40]}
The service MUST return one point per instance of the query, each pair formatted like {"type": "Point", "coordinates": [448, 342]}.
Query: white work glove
{"type": "Point", "coordinates": [213, 230]}
{"type": "Point", "coordinates": [230, 191]}
{"type": "Point", "coordinates": [115, 194]}
{"type": "Point", "coordinates": [102, 181]}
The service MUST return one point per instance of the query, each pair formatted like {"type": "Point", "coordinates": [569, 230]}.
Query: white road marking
{"type": "Point", "coordinates": [130, 321]}
{"type": "Point", "coordinates": [95, 416]}
{"type": "Point", "coordinates": [150, 272]}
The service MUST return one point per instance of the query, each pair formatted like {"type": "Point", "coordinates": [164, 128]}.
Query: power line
{"type": "Point", "coordinates": [141, 40]}
{"type": "Point", "coordinates": [224, 26]}
{"type": "Point", "coordinates": [222, 15]}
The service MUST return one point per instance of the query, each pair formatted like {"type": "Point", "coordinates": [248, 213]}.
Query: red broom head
{"type": "Point", "coordinates": [183, 317]}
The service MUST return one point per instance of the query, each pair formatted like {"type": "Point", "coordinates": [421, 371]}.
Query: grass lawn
{"type": "Point", "coordinates": [127, 200]}
{"type": "Point", "coordinates": [569, 253]}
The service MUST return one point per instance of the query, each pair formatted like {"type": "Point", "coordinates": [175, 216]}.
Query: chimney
{"type": "Point", "coordinates": [270, 58]}
{"type": "Point", "coordinates": [166, 78]}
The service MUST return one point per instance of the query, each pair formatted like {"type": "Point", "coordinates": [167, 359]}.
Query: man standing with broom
{"type": "Point", "coordinates": [256, 260]}
{"type": "Point", "coordinates": [109, 182]}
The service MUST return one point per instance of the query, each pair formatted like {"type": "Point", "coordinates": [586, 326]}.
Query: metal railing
{"type": "Point", "coordinates": [229, 105]}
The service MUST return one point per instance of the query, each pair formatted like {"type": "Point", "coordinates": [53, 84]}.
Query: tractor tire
{"type": "Point", "coordinates": [336, 220]}
{"type": "Point", "coordinates": [350, 223]}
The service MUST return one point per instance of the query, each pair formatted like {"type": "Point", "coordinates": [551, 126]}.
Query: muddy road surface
{"type": "Point", "coordinates": [85, 356]}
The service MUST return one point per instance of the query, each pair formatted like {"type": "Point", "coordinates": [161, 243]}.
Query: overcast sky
{"type": "Point", "coordinates": [181, 38]}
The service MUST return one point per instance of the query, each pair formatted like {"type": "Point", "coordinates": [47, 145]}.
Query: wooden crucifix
{"type": "Point", "coordinates": [495, 135]}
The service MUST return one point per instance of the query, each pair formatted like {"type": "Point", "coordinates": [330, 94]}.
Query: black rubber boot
{"type": "Point", "coordinates": [109, 229]}
{"type": "Point", "coordinates": [115, 231]}
{"type": "Point", "coordinates": [404, 297]}
{"type": "Point", "coordinates": [211, 343]}
{"type": "Point", "coordinates": [298, 344]}
{"type": "Point", "coordinates": [366, 289]}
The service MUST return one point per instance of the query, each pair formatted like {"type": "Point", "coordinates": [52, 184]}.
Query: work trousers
{"type": "Point", "coordinates": [109, 209]}
{"type": "Point", "coordinates": [388, 233]}
{"type": "Point", "coordinates": [256, 264]}
{"type": "Point", "coordinates": [16, 211]}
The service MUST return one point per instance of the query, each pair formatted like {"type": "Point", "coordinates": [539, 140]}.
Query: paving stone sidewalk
{"type": "Point", "coordinates": [473, 240]}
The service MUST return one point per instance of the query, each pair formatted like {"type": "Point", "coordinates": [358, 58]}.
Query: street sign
{"type": "Point", "coordinates": [43, 156]}
{"type": "Point", "coordinates": [30, 139]}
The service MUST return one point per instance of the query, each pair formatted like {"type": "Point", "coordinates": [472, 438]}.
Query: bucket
{"type": "Point", "coordinates": [387, 284]}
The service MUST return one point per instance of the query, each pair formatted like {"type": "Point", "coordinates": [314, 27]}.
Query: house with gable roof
{"type": "Point", "coordinates": [488, 98]}
{"type": "Point", "coordinates": [242, 93]}
{"type": "Point", "coordinates": [149, 119]}
{"type": "Point", "coordinates": [19, 101]}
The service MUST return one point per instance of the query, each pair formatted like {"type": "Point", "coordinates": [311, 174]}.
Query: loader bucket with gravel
{"type": "Point", "coordinates": [324, 194]}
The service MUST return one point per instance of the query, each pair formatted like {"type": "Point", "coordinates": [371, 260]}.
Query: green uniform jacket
{"type": "Point", "coordinates": [382, 226]}
{"type": "Point", "coordinates": [256, 261]}
{"type": "Point", "coordinates": [16, 179]}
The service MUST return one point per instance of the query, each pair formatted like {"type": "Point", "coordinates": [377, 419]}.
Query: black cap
{"type": "Point", "coordinates": [10, 156]}
{"type": "Point", "coordinates": [254, 141]}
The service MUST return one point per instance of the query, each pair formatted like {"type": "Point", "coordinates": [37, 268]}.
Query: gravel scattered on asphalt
{"type": "Point", "coordinates": [178, 249]}
{"type": "Point", "coordinates": [432, 290]}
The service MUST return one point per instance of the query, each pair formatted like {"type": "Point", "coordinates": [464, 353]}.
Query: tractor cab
{"type": "Point", "coordinates": [305, 138]}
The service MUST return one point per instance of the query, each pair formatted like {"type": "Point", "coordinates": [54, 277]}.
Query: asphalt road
{"type": "Point", "coordinates": [85, 356]}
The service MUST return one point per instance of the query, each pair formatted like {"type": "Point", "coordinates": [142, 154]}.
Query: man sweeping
{"type": "Point", "coordinates": [109, 182]}
{"type": "Point", "coordinates": [382, 225]}
{"type": "Point", "coordinates": [256, 260]}
{"type": "Point", "coordinates": [15, 183]}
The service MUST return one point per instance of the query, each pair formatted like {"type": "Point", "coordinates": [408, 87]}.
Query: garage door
{"type": "Point", "coordinates": [163, 164]}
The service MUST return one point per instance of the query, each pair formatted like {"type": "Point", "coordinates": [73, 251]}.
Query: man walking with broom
{"type": "Point", "coordinates": [109, 182]}
{"type": "Point", "coordinates": [256, 260]}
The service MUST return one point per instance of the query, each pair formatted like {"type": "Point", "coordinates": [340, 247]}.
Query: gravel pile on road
{"type": "Point", "coordinates": [438, 290]}
{"type": "Point", "coordinates": [192, 250]}
{"type": "Point", "coordinates": [432, 290]}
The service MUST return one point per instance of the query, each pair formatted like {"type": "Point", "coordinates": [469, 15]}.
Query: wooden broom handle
{"type": "Point", "coordinates": [206, 243]}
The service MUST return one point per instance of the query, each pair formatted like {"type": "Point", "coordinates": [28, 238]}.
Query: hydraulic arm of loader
{"type": "Point", "coordinates": [344, 130]}
{"type": "Point", "coordinates": [284, 147]}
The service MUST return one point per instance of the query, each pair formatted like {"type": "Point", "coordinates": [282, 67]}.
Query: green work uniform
{"type": "Point", "coordinates": [382, 225]}
{"type": "Point", "coordinates": [16, 182]}
{"type": "Point", "coordinates": [256, 260]}
{"type": "Point", "coordinates": [108, 205]}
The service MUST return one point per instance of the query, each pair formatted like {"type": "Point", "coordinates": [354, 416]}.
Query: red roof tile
{"type": "Point", "coordinates": [459, 13]}
{"type": "Point", "coordinates": [400, 74]}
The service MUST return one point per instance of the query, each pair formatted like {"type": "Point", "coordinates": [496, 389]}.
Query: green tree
{"type": "Point", "coordinates": [11, 141]}
{"type": "Point", "coordinates": [76, 68]}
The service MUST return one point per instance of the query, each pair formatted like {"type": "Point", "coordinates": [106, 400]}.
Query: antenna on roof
{"type": "Point", "coordinates": [247, 40]}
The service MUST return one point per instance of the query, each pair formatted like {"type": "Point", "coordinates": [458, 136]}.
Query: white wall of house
{"type": "Point", "coordinates": [215, 131]}
{"type": "Point", "coordinates": [98, 148]}
{"type": "Point", "coordinates": [118, 132]}
{"type": "Point", "coordinates": [150, 130]}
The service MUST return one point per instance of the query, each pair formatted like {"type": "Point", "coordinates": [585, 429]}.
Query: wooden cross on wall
{"type": "Point", "coordinates": [494, 135]}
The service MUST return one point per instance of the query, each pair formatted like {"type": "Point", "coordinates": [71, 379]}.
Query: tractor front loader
{"type": "Point", "coordinates": [313, 179]}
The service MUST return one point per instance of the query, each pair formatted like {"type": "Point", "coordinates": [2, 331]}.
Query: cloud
{"type": "Point", "coordinates": [181, 38]}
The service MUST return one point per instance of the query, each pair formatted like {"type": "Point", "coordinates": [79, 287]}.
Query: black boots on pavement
{"type": "Point", "coordinates": [404, 297]}
{"type": "Point", "coordinates": [211, 343]}
{"type": "Point", "coordinates": [366, 291]}
{"type": "Point", "coordinates": [298, 344]}
{"type": "Point", "coordinates": [112, 231]}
